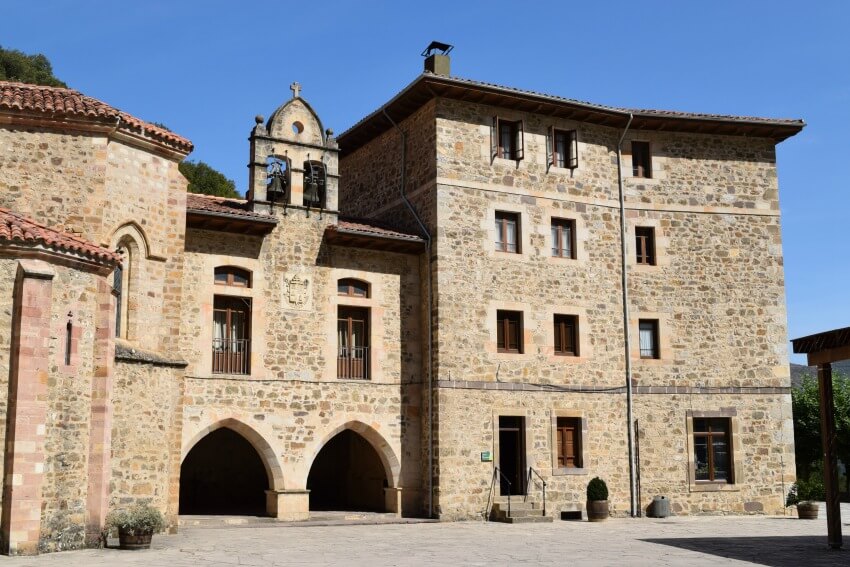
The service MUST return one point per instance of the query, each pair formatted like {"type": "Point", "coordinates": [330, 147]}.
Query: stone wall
{"type": "Point", "coordinates": [146, 430]}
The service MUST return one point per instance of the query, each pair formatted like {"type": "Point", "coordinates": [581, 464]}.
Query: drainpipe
{"type": "Point", "coordinates": [626, 331]}
{"type": "Point", "coordinates": [430, 306]}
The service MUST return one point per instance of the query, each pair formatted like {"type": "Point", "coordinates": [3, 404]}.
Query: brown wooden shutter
{"type": "Point", "coordinates": [550, 148]}
{"type": "Point", "coordinates": [494, 139]}
{"type": "Point", "coordinates": [519, 151]}
{"type": "Point", "coordinates": [572, 144]}
{"type": "Point", "coordinates": [560, 446]}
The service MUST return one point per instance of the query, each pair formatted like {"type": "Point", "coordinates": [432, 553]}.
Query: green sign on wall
{"type": "Point", "coordinates": [486, 457]}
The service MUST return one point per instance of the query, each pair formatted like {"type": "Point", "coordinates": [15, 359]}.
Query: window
{"type": "Point", "coordinates": [353, 343]}
{"type": "Point", "coordinates": [507, 232]}
{"type": "Point", "coordinates": [568, 442]}
{"type": "Point", "coordinates": [648, 336]}
{"type": "Point", "coordinates": [231, 335]}
{"type": "Point", "coordinates": [352, 288]}
{"type": "Point", "coordinates": [507, 139]}
{"type": "Point", "coordinates": [566, 335]}
{"type": "Point", "coordinates": [509, 331]}
{"type": "Point", "coordinates": [713, 450]}
{"type": "Point", "coordinates": [563, 238]}
{"type": "Point", "coordinates": [117, 291]}
{"type": "Point", "coordinates": [645, 245]}
{"type": "Point", "coordinates": [564, 148]}
{"type": "Point", "coordinates": [69, 335]}
{"type": "Point", "coordinates": [641, 160]}
{"type": "Point", "coordinates": [237, 277]}
{"type": "Point", "coordinates": [314, 184]}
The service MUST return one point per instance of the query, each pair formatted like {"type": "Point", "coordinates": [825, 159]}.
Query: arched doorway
{"type": "Point", "coordinates": [223, 474]}
{"type": "Point", "coordinates": [347, 474]}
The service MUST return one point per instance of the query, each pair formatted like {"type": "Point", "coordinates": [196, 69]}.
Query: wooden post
{"type": "Point", "coordinates": [830, 458]}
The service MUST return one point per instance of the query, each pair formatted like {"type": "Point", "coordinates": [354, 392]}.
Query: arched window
{"type": "Point", "coordinates": [230, 275]}
{"type": "Point", "coordinates": [352, 287]}
{"type": "Point", "coordinates": [121, 286]}
{"type": "Point", "coordinates": [278, 175]}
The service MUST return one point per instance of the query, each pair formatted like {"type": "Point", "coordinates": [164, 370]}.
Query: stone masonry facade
{"type": "Point", "coordinates": [342, 322]}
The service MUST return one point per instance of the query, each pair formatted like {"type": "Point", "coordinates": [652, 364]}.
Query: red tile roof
{"type": "Point", "coordinates": [17, 229]}
{"type": "Point", "coordinates": [63, 102]}
{"type": "Point", "coordinates": [196, 202]}
{"type": "Point", "coordinates": [371, 227]}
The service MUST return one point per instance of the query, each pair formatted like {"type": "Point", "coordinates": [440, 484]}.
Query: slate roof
{"type": "Point", "coordinates": [429, 85]}
{"type": "Point", "coordinates": [16, 229]}
{"type": "Point", "coordinates": [69, 103]}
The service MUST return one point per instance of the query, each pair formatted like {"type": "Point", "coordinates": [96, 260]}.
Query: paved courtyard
{"type": "Point", "coordinates": [673, 541]}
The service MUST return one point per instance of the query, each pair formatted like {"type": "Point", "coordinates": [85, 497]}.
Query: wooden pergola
{"type": "Point", "coordinates": [822, 350]}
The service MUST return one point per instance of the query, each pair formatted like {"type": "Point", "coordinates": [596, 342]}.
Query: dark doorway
{"type": "Point", "coordinates": [512, 454]}
{"type": "Point", "coordinates": [223, 474]}
{"type": "Point", "coordinates": [347, 475]}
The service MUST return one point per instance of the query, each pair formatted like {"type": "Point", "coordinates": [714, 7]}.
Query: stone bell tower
{"type": "Point", "coordinates": [294, 161]}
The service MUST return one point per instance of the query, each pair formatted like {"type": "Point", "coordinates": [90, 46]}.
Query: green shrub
{"type": "Point", "coordinates": [597, 489]}
{"type": "Point", "coordinates": [806, 490]}
{"type": "Point", "coordinates": [138, 519]}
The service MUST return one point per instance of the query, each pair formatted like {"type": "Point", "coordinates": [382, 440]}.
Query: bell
{"type": "Point", "coordinates": [276, 184]}
{"type": "Point", "coordinates": [311, 192]}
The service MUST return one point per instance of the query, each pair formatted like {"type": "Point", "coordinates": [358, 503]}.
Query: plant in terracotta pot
{"type": "Point", "coordinates": [597, 500]}
{"type": "Point", "coordinates": [805, 495]}
{"type": "Point", "coordinates": [135, 525]}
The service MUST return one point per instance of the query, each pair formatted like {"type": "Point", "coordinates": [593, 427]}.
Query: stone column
{"type": "Point", "coordinates": [288, 505]}
{"type": "Point", "coordinates": [100, 423]}
{"type": "Point", "coordinates": [30, 363]}
{"type": "Point", "coordinates": [392, 500]}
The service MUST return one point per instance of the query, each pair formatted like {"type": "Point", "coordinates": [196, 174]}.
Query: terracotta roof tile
{"type": "Point", "coordinates": [18, 229]}
{"type": "Point", "coordinates": [220, 205]}
{"type": "Point", "coordinates": [59, 101]}
{"type": "Point", "coordinates": [371, 227]}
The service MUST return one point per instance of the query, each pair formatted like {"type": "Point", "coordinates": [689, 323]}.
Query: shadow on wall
{"type": "Point", "coordinates": [775, 551]}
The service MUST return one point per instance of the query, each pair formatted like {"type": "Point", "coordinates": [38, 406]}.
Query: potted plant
{"type": "Point", "coordinates": [805, 495]}
{"type": "Point", "coordinates": [136, 525]}
{"type": "Point", "coordinates": [597, 500]}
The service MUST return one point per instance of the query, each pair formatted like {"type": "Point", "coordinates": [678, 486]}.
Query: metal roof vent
{"type": "Point", "coordinates": [437, 59]}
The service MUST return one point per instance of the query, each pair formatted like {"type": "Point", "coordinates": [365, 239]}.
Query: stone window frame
{"type": "Point", "coordinates": [377, 331]}
{"type": "Point", "coordinates": [585, 350]}
{"type": "Point", "coordinates": [737, 451]}
{"type": "Point", "coordinates": [665, 351]}
{"type": "Point", "coordinates": [501, 411]}
{"type": "Point", "coordinates": [580, 238]}
{"type": "Point", "coordinates": [658, 161]}
{"type": "Point", "coordinates": [208, 290]}
{"type": "Point", "coordinates": [524, 229]}
{"type": "Point", "coordinates": [529, 322]}
{"type": "Point", "coordinates": [662, 258]}
{"type": "Point", "coordinates": [553, 438]}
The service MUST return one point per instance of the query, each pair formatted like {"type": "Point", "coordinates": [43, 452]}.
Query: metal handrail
{"type": "Point", "coordinates": [530, 479]}
{"type": "Point", "coordinates": [498, 474]}
{"type": "Point", "coordinates": [231, 356]}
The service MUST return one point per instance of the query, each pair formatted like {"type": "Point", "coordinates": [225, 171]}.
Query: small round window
{"type": "Point", "coordinates": [297, 127]}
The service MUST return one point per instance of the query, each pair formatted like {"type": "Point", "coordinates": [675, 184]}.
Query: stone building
{"type": "Point", "coordinates": [389, 316]}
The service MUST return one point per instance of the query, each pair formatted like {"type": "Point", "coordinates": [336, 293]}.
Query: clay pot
{"type": "Point", "coordinates": [597, 510]}
{"type": "Point", "coordinates": [807, 510]}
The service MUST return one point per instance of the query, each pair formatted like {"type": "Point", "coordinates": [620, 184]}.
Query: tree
{"type": "Point", "coordinates": [807, 439]}
{"type": "Point", "coordinates": [33, 69]}
{"type": "Point", "coordinates": [204, 179]}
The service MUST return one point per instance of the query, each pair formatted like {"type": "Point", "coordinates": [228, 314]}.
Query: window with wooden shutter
{"type": "Point", "coordinates": [568, 442]}
{"type": "Point", "coordinates": [509, 331]}
{"type": "Point", "coordinates": [564, 148]}
{"type": "Point", "coordinates": [507, 139]}
{"type": "Point", "coordinates": [641, 160]}
{"type": "Point", "coordinates": [566, 335]}
{"type": "Point", "coordinates": [645, 245]}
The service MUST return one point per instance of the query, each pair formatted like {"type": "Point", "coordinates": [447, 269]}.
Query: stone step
{"type": "Point", "coordinates": [516, 505]}
{"type": "Point", "coordinates": [517, 513]}
{"type": "Point", "coordinates": [528, 520]}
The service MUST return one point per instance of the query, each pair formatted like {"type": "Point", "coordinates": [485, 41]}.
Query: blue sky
{"type": "Point", "coordinates": [206, 69]}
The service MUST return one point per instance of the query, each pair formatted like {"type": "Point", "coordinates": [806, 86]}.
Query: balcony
{"type": "Point", "coordinates": [231, 356]}
{"type": "Point", "coordinates": [352, 363]}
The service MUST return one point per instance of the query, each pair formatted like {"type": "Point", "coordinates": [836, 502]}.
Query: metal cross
{"type": "Point", "coordinates": [295, 88]}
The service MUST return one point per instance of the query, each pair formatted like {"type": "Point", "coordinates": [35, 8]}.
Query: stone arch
{"type": "Point", "coordinates": [296, 110]}
{"type": "Point", "coordinates": [131, 231]}
{"type": "Point", "coordinates": [392, 466]}
{"type": "Point", "coordinates": [274, 470]}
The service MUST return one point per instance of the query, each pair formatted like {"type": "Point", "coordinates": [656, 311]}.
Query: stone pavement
{"type": "Point", "coordinates": [692, 541]}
